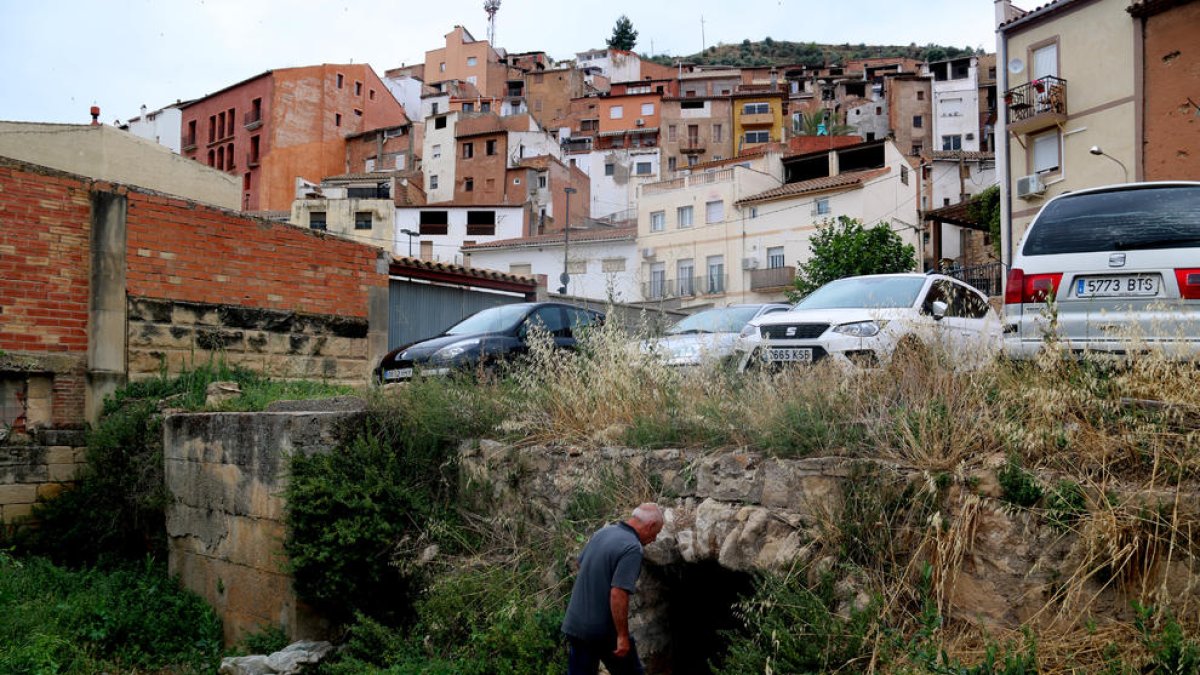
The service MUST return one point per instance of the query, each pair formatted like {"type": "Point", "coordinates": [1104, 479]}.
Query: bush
{"type": "Point", "coordinates": [53, 620]}
{"type": "Point", "coordinates": [1018, 486]}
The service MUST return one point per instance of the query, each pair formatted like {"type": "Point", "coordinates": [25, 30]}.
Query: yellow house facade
{"type": "Point", "coordinates": [757, 120]}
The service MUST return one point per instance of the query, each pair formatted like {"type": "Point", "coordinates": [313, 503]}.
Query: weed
{"type": "Point", "coordinates": [1018, 486]}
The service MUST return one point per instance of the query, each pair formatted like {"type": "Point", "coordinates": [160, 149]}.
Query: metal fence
{"type": "Point", "coordinates": [987, 278]}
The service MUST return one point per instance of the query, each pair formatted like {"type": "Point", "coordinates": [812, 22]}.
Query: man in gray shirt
{"type": "Point", "coordinates": [597, 620]}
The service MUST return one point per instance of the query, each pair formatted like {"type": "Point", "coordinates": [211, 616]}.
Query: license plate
{"type": "Point", "coordinates": [791, 354]}
{"type": "Point", "coordinates": [397, 373]}
{"type": "Point", "coordinates": [1116, 286]}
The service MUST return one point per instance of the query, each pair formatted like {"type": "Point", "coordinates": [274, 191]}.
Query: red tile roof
{"type": "Point", "coordinates": [402, 262]}
{"type": "Point", "coordinates": [802, 145]}
{"type": "Point", "coordinates": [849, 179]}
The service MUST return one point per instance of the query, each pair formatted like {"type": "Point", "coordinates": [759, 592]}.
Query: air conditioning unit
{"type": "Point", "coordinates": [1030, 186]}
{"type": "Point", "coordinates": [640, 122]}
{"type": "Point", "coordinates": [648, 253]}
{"type": "Point", "coordinates": [749, 263]}
{"type": "Point", "coordinates": [970, 137]}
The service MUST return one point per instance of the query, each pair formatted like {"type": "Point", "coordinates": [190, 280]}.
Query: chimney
{"type": "Point", "coordinates": [95, 115]}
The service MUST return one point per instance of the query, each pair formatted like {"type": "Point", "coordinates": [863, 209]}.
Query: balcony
{"type": "Point", "coordinates": [1036, 105]}
{"type": "Point", "coordinates": [689, 144]}
{"type": "Point", "coordinates": [252, 120]}
{"type": "Point", "coordinates": [706, 178]}
{"type": "Point", "coordinates": [188, 142]}
{"type": "Point", "coordinates": [757, 119]}
{"type": "Point", "coordinates": [687, 287]}
{"type": "Point", "coordinates": [772, 279]}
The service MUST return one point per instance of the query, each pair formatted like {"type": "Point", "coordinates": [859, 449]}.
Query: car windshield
{"type": "Point", "coordinates": [721, 320]}
{"type": "Point", "coordinates": [1121, 220]}
{"type": "Point", "coordinates": [493, 320]}
{"type": "Point", "coordinates": [868, 292]}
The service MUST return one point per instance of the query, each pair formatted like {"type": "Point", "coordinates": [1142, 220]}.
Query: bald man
{"type": "Point", "coordinates": [597, 620]}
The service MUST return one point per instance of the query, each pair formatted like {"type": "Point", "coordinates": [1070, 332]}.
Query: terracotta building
{"type": "Point", "coordinates": [696, 129]}
{"type": "Point", "coordinates": [469, 60]}
{"type": "Point", "coordinates": [1169, 72]}
{"type": "Point", "coordinates": [284, 124]}
{"type": "Point", "coordinates": [910, 113]}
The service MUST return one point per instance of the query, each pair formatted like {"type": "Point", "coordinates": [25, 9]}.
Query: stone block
{"type": "Point", "coordinates": [62, 472]}
{"type": "Point", "coordinates": [60, 454]}
{"type": "Point", "coordinates": [72, 437]}
{"type": "Point", "coordinates": [190, 314]}
{"type": "Point", "coordinates": [49, 490]}
{"type": "Point", "coordinates": [730, 477]}
{"type": "Point", "coordinates": [18, 494]}
{"type": "Point", "coordinates": [15, 512]}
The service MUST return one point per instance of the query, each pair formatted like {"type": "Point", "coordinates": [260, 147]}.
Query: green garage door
{"type": "Point", "coordinates": [418, 310]}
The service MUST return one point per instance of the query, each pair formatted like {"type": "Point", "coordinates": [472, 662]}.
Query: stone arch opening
{"type": "Point", "coordinates": [685, 609]}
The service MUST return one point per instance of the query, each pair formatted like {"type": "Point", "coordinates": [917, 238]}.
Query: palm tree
{"type": "Point", "coordinates": [810, 125]}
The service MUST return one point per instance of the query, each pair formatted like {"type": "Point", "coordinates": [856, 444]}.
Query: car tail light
{"type": "Point", "coordinates": [1030, 287]}
{"type": "Point", "coordinates": [1189, 283]}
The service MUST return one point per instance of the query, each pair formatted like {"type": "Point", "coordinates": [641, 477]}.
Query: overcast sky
{"type": "Point", "coordinates": [62, 56]}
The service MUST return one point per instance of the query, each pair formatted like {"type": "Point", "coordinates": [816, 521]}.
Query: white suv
{"type": "Point", "coordinates": [1111, 270]}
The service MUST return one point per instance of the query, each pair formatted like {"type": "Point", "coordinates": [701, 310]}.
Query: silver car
{"type": "Point", "coordinates": [710, 335]}
{"type": "Point", "coordinates": [1109, 270]}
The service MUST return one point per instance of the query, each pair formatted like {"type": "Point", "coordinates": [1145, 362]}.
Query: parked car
{"type": "Point", "coordinates": [707, 336]}
{"type": "Point", "coordinates": [862, 320]}
{"type": "Point", "coordinates": [1099, 270]}
{"type": "Point", "coordinates": [486, 338]}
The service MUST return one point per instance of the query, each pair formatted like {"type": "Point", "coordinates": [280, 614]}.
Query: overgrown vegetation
{"type": "Point", "coordinates": [771, 52]}
{"type": "Point", "coordinates": [845, 247]}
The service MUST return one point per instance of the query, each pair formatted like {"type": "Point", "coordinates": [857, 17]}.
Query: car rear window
{"type": "Point", "coordinates": [1122, 220]}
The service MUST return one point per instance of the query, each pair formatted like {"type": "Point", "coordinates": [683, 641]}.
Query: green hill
{"type": "Point", "coordinates": [778, 52]}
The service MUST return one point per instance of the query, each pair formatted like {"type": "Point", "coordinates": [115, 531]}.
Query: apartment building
{"type": "Point", "coordinates": [286, 124]}
{"type": "Point", "coordinates": [955, 90]}
{"type": "Point", "coordinates": [439, 232]}
{"type": "Point", "coordinates": [696, 129]}
{"type": "Point", "coordinates": [465, 59]}
{"type": "Point", "coordinates": [757, 119]}
{"type": "Point", "coordinates": [909, 105]}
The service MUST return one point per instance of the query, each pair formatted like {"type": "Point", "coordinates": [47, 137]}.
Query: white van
{"type": "Point", "coordinates": [1111, 270]}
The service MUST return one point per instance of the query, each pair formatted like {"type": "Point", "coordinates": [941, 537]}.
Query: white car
{"type": "Point", "coordinates": [860, 321]}
{"type": "Point", "coordinates": [707, 336]}
{"type": "Point", "coordinates": [1109, 270]}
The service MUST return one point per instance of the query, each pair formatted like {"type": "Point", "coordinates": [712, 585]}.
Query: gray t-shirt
{"type": "Point", "coordinates": [612, 559]}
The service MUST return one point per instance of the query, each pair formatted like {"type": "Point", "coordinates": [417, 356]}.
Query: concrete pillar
{"type": "Point", "coordinates": [106, 302]}
{"type": "Point", "coordinates": [378, 306]}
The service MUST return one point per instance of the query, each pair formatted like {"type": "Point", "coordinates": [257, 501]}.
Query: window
{"type": "Point", "coordinates": [904, 175]}
{"type": "Point", "coordinates": [658, 280]}
{"type": "Point", "coordinates": [685, 273]}
{"type": "Point", "coordinates": [1046, 152]}
{"type": "Point", "coordinates": [775, 258]}
{"type": "Point", "coordinates": [542, 180]}
{"type": "Point", "coordinates": [442, 67]}
{"type": "Point", "coordinates": [714, 212]}
{"type": "Point", "coordinates": [756, 109]}
{"type": "Point", "coordinates": [643, 169]}
{"type": "Point", "coordinates": [589, 125]}
{"type": "Point", "coordinates": [522, 269]}
{"type": "Point", "coordinates": [758, 137]}
{"type": "Point", "coordinates": [670, 132]}
{"type": "Point", "coordinates": [878, 110]}
{"type": "Point", "coordinates": [340, 80]}
{"type": "Point", "coordinates": [609, 168]}
{"type": "Point", "coordinates": [433, 108]}
{"type": "Point", "coordinates": [434, 222]}
{"type": "Point", "coordinates": [229, 157]}
{"type": "Point", "coordinates": [481, 223]}
{"type": "Point", "coordinates": [1044, 62]}
{"type": "Point", "coordinates": [436, 150]}
{"type": "Point", "coordinates": [952, 142]}
{"type": "Point", "coordinates": [433, 182]}
{"type": "Point", "coordinates": [221, 159]}
{"type": "Point", "coordinates": [472, 61]}
{"type": "Point", "coordinates": [439, 123]}
{"type": "Point", "coordinates": [683, 216]}
{"type": "Point", "coordinates": [468, 107]}
{"type": "Point", "coordinates": [212, 130]}
{"type": "Point", "coordinates": [753, 212]}
{"type": "Point", "coordinates": [612, 265]}
{"type": "Point", "coordinates": [821, 207]}
{"type": "Point", "coordinates": [357, 112]}
{"type": "Point", "coordinates": [468, 150]}
{"type": "Point", "coordinates": [212, 158]}
{"type": "Point", "coordinates": [468, 185]}
{"type": "Point", "coordinates": [671, 163]}
{"type": "Point", "coordinates": [918, 121]}
{"type": "Point", "coordinates": [917, 148]}
{"type": "Point", "coordinates": [647, 108]}
{"type": "Point", "coordinates": [362, 220]}
{"type": "Point", "coordinates": [371, 94]}
{"type": "Point", "coordinates": [715, 281]}
{"type": "Point", "coordinates": [246, 181]}
{"type": "Point", "coordinates": [316, 220]}
{"type": "Point", "coordinates": [920, 95]}
{"type": "Point", "coordinates": [658, 220]}
{"type": "Point", "coordinates": [717, 135]}
{"type": "Point", "coordinates": [616, 112]}
{"type": "Point", "coordinates": [485, 106]}
{"type": "Point", "coordinates": [337, 119]}
{"type": "Point", "coordinates": [358, 88]}
{"type": "Point", "coordinates": [577, 267]}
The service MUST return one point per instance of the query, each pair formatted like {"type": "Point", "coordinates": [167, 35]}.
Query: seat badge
{"type": "Point", "coordinates": [1116, 260]}
{"type": "Point", "coordinates": [791, 331]}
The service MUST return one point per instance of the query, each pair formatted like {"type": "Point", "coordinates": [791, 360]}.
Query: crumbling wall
{"type": "Point", "coordinates": [37, 465]}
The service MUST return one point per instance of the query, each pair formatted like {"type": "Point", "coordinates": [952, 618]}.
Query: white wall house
{"type": "Point", "coordinates": [438, 156]}
{"type": "Point", "coordinates": [602, 262]}
{"type": "Point", "coordinates": [615, 176]}
{"type": "Point", "coordinates": [407, 90]}
{"type": "Point", "coordinates": [616, 65]}
{"type": "Point", "coordinates": [955, 104]}
{"type": "Point", "coordinates": [163, 126]}
{"type": "Point", "coordinates": [441, 230]}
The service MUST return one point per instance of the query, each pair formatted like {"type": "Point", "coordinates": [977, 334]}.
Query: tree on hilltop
{"type": "Point", "coordinates": [623, 36]}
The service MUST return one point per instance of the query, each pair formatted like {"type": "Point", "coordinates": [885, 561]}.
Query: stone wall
{"type": "Point", "coordinates": [35, 466]}
{"type": "Point", "coordinates": [283, 344]}
{"type": "Point", "coordinates": [226, 473]}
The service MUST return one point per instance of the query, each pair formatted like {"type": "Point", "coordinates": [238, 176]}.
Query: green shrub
{"type": "Point", "coordinates": [55, 620]}
{"type": "Point", "coordinates": [1170, 650]}
{"type": "Point", "coordinates": [1018, 486]}
{"type": "Point", "coordinates": [1065, 504]}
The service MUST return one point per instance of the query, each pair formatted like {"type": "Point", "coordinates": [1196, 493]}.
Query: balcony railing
{"type": "Point", "coordinates": [691, 144]}
{"type": "Point", "coordinates": [1036, 105]}
{"type": "Point", "coordinates": [188, 142]}
{"type": "Point", "coordinates": [772, 278]}
{"type": "Point", "coordinates": [758, 118]}
{"type": "Point", "coordinates": [987, 278]}
{"type": "Point", "coordinates": [252, 120]}
{"type": "Point", "coordinates": [706, 178]}
{"type": "Point", "coordinates": [687, 287]}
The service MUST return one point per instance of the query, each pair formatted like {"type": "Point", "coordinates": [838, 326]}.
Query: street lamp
{"type": "Point", "coordinates": [1095, 150]}
{"type": "Point", "coordinates": [566, 278]}
{"type": "Point", "coordinates": [410, 234]}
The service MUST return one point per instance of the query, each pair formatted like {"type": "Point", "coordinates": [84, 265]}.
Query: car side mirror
{"type": "Point", "coordinates": [938, 310]}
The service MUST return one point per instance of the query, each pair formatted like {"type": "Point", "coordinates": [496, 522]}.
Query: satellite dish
{"type": "Point", "coordinates": [1015, 65]}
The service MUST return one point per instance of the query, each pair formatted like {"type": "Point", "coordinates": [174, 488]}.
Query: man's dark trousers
{"type": "Point", "coordinates": [586, 656]}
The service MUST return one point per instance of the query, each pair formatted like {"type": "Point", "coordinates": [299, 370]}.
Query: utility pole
{"type": "Point", "coordinates": [566, 277]}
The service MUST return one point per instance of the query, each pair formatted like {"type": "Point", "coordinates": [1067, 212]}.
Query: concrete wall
{"type": "Point", "coordinates": [109, 154]}
{"type": "Point", "coordinates": [226, 474]}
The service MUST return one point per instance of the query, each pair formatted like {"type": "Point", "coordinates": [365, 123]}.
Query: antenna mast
{"type": "Point", "coordinates": [491, 7]}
